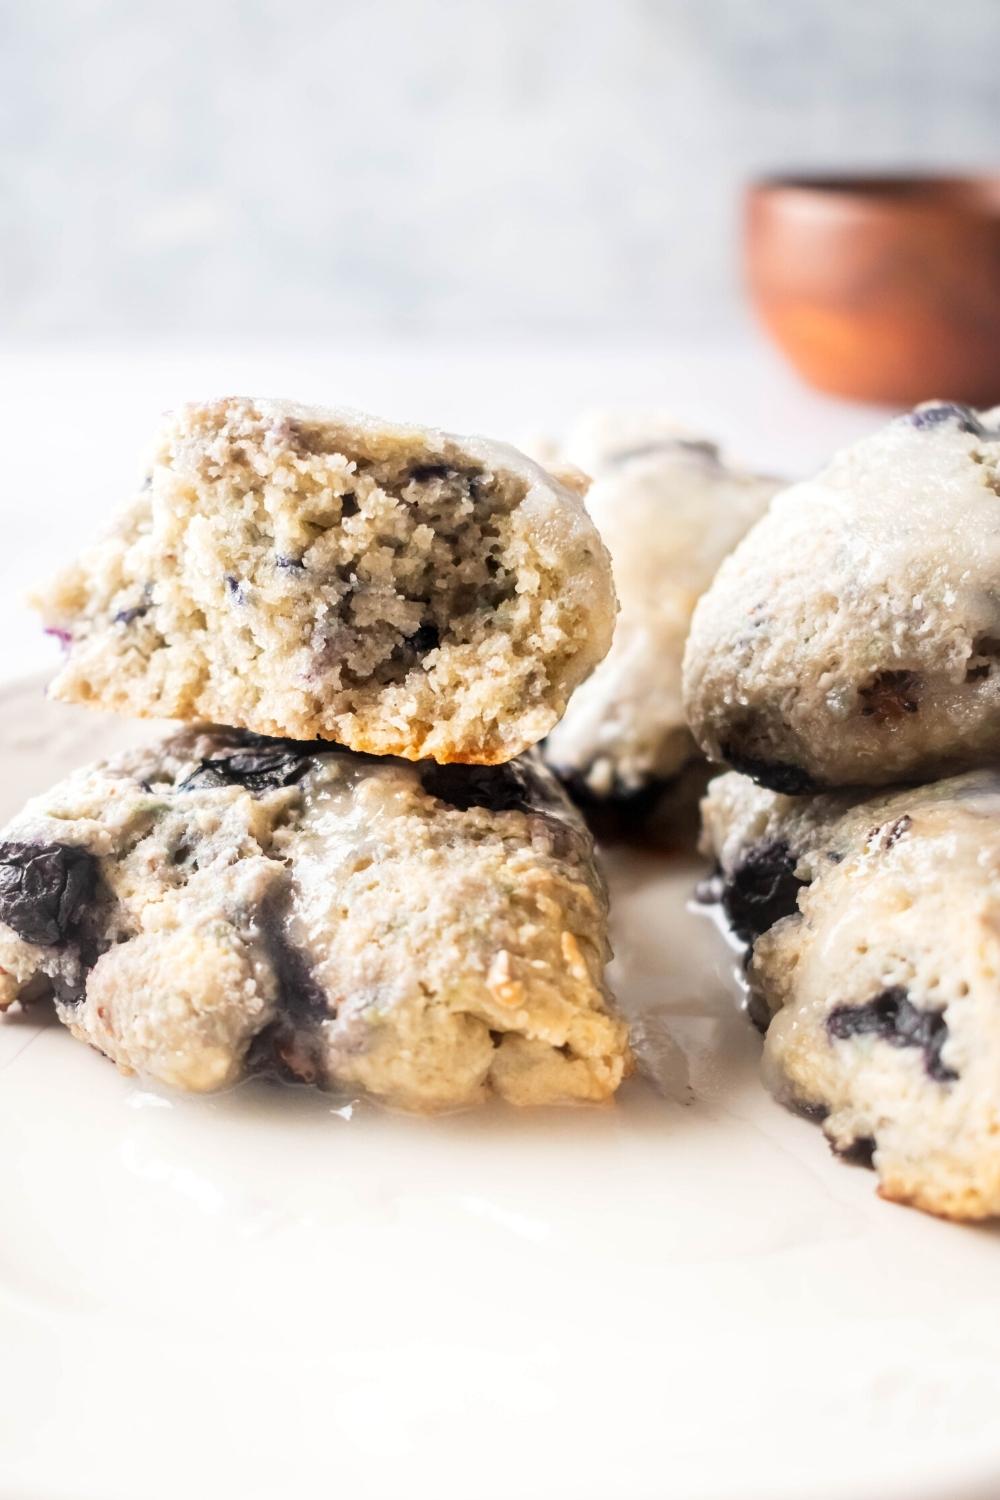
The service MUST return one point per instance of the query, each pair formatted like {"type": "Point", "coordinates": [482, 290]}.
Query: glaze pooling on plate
{"type": "Point", "coordinates": [669, 509]}
{"type": "Point", "coordinates": [853, 637]}
{"type": "Point", "coordinates": [874, 925]}
{"type": "Point", "coordinates": [308, 572]}
{"type": "Point", "coordinates": [221, 903]}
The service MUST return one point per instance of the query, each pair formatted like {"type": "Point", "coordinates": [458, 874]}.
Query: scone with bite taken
{"type": "Point", "coordinates": [322, 574]}
{"type": "Point", "coordinates": [222, 904]}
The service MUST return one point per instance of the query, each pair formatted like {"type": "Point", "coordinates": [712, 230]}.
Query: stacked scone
{"type": "Point", "coordinates": [850, 644]}
{"type": "Point", "coordinates": [365, 877]}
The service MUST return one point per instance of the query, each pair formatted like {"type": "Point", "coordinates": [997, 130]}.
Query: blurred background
{"type": "Point", "coordinates": [483, 215]}
{"type": "Point", "coordinates": [501, 170]}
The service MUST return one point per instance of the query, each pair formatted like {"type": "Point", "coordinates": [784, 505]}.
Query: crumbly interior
{"type": "Point", "coordinates": [312, 574]}
{"type": "Point", "coordinates": [224, 904]}
{"type": "Point", "coordinates": [875, 928]}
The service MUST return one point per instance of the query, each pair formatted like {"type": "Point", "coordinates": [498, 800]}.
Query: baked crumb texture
{"type": "Point", "coordinates": [873, 933]}
{"type": "Point", "coordinates": [322, 574]}
{"type": "Point", "coordinates": [224, 904]}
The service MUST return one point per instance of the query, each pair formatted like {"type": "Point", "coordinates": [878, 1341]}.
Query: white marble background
{"type": "Point", "coordinates": [271, 169]}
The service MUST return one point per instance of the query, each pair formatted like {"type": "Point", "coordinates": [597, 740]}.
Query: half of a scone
{"type": "Point", "coordinates": [323, 574]}
{"type": "Point", "coordinates": [222, 904]}
{"type": "Point", "coordinates": [874, 933]}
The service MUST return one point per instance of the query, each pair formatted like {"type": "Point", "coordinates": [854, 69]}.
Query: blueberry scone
{"type": "Point", "coordinates": [669, 511]}
{"type": "Point", "coordinates": [221, 904]}
{"type": "Point", "coordinates": [874, 933]}
{"type": "Point", "coordinates": [322, 574]}
{"type": "Point", "coordinates": [853, 637]}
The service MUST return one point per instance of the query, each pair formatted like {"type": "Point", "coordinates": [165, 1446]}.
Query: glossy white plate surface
{"type": "Point", "coordinates": [683, 1295]}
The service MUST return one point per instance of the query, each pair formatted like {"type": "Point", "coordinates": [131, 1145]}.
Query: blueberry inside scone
{"type": "Point", "coordinates": [873, 932]}
{"type": "Point", "coordinates": [853, 637]}
{"type": "Point", "coordinates": [313, 573]}
{"type": "Point", "coordinates": [669, 509]}
{"type": "Point", "coordinates": [222, 904]}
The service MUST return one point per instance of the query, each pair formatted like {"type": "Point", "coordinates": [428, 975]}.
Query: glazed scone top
{"type": "Point", "coordinates": [669, 509]}
{"type": "Point", "coordinates": [220, 903]}
{"type": "Point", "coordinates": [853, 637]}
{"type": "Point", "coordinates": [321, 573]}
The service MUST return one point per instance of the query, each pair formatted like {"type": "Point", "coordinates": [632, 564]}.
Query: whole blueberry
{"type": "Point", "coordinates": [44, 888]}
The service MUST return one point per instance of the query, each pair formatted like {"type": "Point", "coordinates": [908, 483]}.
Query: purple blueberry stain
{"type": "Point", "coordinates": [64, 637]}
{"type": "Point", "coordinates": [928, 417]}
{"type": "Point", "coordinates": [235, 588]}
{"type": "Point", "coordinates": [891, 1017]}
{"type": "Point", "coordinates": [129, 616]}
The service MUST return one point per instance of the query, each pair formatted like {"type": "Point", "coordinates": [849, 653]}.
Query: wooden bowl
{"type": "Point", "coordinates": [882, 288]}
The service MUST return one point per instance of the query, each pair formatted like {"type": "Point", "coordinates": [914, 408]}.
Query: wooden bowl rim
{"type": "Point", "coordinates": [974, 195]}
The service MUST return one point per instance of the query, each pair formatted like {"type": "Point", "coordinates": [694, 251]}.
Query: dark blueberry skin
{"type": "Point", "coordinates": [44, 888]}
{"type": "Point", "coordinates": [514, 787]}
{"type": "Point", "coordinates": [289, 564]}
{"type": "Point", "coordinates": [263, 766]}
{"type": "Point", "coordinates": [421, 473]}
{"type": "Point", "coordinates": [300, 997]}
{"type": "Point", "coordinates": [427, 638]}
{"type": "Point", "coordinates": [776, 775]}
{"type": "Point", "coordinates": [757, 1010]}
{"type": "Point", "coordinates": [817, 1113]}
{"type": "Point", "coordinates": [636, 800]}
{"type": "Point", "coordinates": [761, 891]}
{"type": "Point", "coordinates": [286, 1053]}
{"type": "Point", "coordinates": [289, 1047]}
{"type": "Point", "coordinates": [622, 814]}
{"type": "Point", "coordinates": [858, 1153]}
{"type": "Point", "coordinates": [892, 1017]}
{"type": "Point", "coordinates": [127, 616]}
{"type": "Point", "coordinates": [947, 411]}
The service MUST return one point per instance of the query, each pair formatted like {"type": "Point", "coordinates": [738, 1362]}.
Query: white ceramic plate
{"type": "Point", "coordinates": [681, 1295]}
